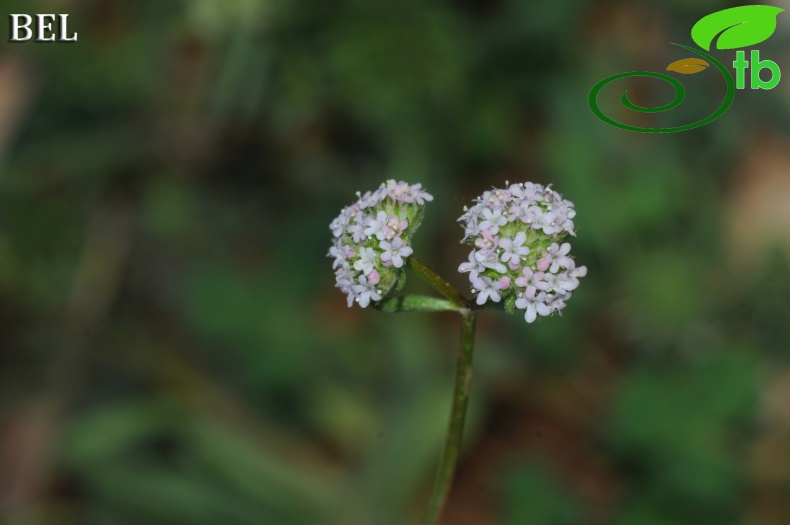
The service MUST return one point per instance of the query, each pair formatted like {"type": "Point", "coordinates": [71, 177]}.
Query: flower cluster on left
{"type": "Point", "coordinates": [371, 240]}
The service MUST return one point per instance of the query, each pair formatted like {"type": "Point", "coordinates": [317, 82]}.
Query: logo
{"type": "Point", "coordinates": [735, 28]}
{"type": "Point", "coordinates": [23, 28]}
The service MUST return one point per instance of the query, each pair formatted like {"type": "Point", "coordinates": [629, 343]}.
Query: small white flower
{"type": "Point", "coordinates": [550, 279]}
{"type": "Point", "coordinates": [345, 279]}
{"type": "Point", "coordinates": [367, 261]}
{"type": "Point", "coordinates": [563, 282]}
{"type": "Point", "coordinates": [420, 196]}
{"type": "Point", "coordinates": [514, 249]}
{"type": "Point", "coordinates": [563, 217]}
{"type": "Point", "coordinates": [486, 288]}
{"type": "Point", "coordinates": [531, 281]}
{"type": "Point", "coordinates": [492, 220]}
{"type": "Point", "coordinates": [399, 191]}
{"type": "Point", "coordinates": [497, 198]}
{"type": "Point", "coordinates": [472, 265]}
{"type": "Point", "coordinates": [336, 251]}
{"type": "Point", "coordinates": [374, 226]}
{"type": "Point", "coordinates": [371, 198]}
{"type": "Point", "coordinates": [547, 222]}
{"type": "Point", "coordinates": [486, 243]}
{"type": "Point", "coordinates": [394, 252]}
{"type": "Point", "coordinates": [339, 224]}
{"type": "Point", "coordinates": [526, 191]}
{"type": "Point", "coordinates": [394, 226]}
{"type": "Point", "coordinates": [490, 260]}
{"type": "Point", "coordinates": [569, 279]}
{"type": "Point", "coordinates": [557, 301]}
{"type": "Point", "coordinates": [558, 257]}
{"type": "Point", "coordinates": [528, 213]}
{"type": "Point", "coordinates": [357, 228]}
{"type": "Point", "coordinates": [533, 306]}
{"type": "Point", "coordinates": [365, 292]}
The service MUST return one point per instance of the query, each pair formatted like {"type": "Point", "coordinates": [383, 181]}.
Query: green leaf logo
{"type": "Point", "coordinates": [739, 27]}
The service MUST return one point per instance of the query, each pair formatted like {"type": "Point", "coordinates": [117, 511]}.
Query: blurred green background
{"type": "Point", "coordinates": [172, 349]}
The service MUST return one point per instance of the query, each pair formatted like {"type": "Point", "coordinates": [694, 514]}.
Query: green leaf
{"type": "Point", "coordinates": [739, 27]}
{"type": "Point", "coordinates": [415, 303]}
{"type": "Point", "coordinates": [688, 66]}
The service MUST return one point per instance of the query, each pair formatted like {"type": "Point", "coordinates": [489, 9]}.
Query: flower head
{"type": "Point", "coordinates": [371, 240]}
{"type": "Point", "coordinates": [518, 252]}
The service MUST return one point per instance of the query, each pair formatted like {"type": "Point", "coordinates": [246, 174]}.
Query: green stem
{"type": "Point", "coordinates": [437, 282]}
{"type": "Point", "coordinates": [463, 377]}
{"type": "Point", "coordinates": [415, 303]}
{"type": "Point", "coordinates": [452, 447]}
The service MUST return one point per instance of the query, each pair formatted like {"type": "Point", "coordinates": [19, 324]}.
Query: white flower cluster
{"type": "Point", "coordinates": [518, 253]}
{"type": "Point", "coordinates": [371, 239]}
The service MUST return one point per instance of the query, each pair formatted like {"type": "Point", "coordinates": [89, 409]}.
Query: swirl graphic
{"type": "Point", "coordinates": [680, 94]}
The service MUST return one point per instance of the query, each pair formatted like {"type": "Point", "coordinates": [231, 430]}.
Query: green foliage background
{"type": "Point", "coordinates": [172, 349]}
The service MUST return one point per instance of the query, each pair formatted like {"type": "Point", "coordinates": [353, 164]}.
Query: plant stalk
{"type": "Point", "coordinates": [452, 447]}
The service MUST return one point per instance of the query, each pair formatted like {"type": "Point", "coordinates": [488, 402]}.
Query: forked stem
{"type": "Point", "coordinates": [463, 378]}
{"type": "Point", "coordinates": [452, 447]}
{"type": "Point", "coordinates": [437, 282]}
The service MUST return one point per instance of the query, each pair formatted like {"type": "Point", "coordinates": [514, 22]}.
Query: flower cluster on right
{"type": "Point", "coordinates": [519, 256]}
